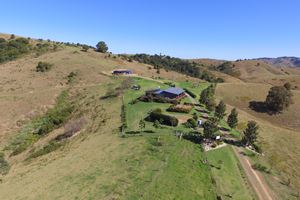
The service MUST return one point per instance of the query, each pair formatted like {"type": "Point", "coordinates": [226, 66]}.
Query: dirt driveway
{"type": "Point", "coordinates": [255, 178]}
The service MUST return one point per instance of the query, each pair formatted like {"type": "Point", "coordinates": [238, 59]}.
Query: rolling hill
{"type": "Point", "coordinates": [99, 162]}
{"type": "Point", "coordinates": [282, 61]}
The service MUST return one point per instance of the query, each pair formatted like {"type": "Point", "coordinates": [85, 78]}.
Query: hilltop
{"type": "Point", "coordinates": [282, 61]}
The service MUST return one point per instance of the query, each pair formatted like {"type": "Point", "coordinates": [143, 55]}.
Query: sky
{"type": "Point", "coordinates": [221, 29]}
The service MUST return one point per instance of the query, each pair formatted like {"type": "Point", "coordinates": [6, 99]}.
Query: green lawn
{"type": "Point", "coordinates": [196, 88]}
{"type": "Point", "coordinates": [228, 177]}
{"type": "Point", "coordinates": [171, 170]}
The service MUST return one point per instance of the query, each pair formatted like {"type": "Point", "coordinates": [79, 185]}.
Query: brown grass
{"type": "Point", "coordinates": [278, 134]}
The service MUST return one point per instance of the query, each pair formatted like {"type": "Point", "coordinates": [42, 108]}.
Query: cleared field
{"type": "Point", "coordinates": [226, 170]}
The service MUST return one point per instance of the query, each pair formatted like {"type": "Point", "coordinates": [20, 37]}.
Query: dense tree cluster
{"type": "Point", "coordinates": [279, 98]}
{"type": "Point", "coordinates": [14, 48]}
{"type": "Point", "coordinates": [176, 64]}
{"type": "Point", "coordinates": [207, 97]}
{"type": "Point", "coordinates": [228, 68]}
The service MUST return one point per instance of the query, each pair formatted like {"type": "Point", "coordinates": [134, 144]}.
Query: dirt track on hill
{"type": "Point", "coordinates": [255, 178]}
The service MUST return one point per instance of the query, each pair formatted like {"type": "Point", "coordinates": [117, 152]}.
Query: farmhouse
{"type": "Point", "coordinates": [171, 93]}
{"type": "Point", "coordinates": [122, 72]}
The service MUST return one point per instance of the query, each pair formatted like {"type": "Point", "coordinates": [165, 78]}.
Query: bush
{"type": "Point", "coordinates": [260, 167]}
{"type": "Point", "coordinates": [157, 99]}
{"type": "Point", "coordinates": [71, 77]}
{"type": "Point", "coordinates": [43, 67]}
{"type": "Point", "coordinates": [191, 123]}
{"type": "Point", "coordinates": [190, 93]}
{"type": "Point", "coordinates": [13, 49]}
{"type": "Point", "coordinates": [71, 128]}
{"type": "Point", "coordinates": [170, 84]}
{"type": "Point", "coordinates": [162, 118]}
{"type": "Point", "coordinates": [52, 146]}
{"type": "Point", "coordinates": [4, 166]}
{"type": "Point", "coordinates": [180, 108]}
{"type": "Point", "coordinates": [257, 147]}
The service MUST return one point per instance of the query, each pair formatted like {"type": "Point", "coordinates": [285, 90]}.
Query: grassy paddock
{"type": "Point", "coordinates": [168, 169]}
{"type": "Point", "coordinates": [227, 175]}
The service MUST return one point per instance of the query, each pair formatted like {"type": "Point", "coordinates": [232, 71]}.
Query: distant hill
{"type": "Point", "coordinates": [282, 61]}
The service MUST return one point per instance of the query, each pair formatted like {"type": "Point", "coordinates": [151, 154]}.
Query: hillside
{"type": "Point", "coordinates": [282, 61]}
{"type": "Point", "coordinates": [101, 158]}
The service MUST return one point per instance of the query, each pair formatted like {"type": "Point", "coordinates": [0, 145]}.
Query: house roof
{"type": "Point", "coordinates": [174, 90]}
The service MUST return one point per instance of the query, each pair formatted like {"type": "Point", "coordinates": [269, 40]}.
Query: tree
{"type": "Point", "coordinates": [12, 36]}
{"type": "Point", "coordinates": [220, 110]}
{"type": "Point", "coordinates": [210, 127]}
{"type": "Point", "coordinates": [250, 133]}
{"type": "Point", "coordinates": [232, 119]}
{"type": "Point", "coordinates": [85, 48]}
{"type": "Point", "coordinates": [102, 47]}
{"type": "Point", "coordinates": [195, 116]}
{"type": "Point", "coordinates": [191, 123]}
{"type": "Point", "coordinates": [142, 124]}
{"type": "Point", "coordinates": [207, 97]}
{"type": "Point", "coordinates": [279, 98]}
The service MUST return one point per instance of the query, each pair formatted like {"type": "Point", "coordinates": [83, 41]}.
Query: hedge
{"type": "Point", "coordinates": [190, 92]}
{"type": "Point", "coordinates": [162, 118]}
{"type": "Point", "coordinates": [180, 108]}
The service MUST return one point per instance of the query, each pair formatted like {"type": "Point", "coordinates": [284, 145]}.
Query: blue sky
{"type": "Point", "coordinates": [224, 29]}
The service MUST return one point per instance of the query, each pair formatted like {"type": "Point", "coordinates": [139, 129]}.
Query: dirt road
{"type": "Point", "coordinates": [255, 178]}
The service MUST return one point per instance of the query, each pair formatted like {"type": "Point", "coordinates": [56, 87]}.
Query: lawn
{"type": "Point", "coordinates": [196, 88]}
{"type": "Point", "coordinates": [138, 111]}
{"type": "Point", "coordinates": [227, 174]}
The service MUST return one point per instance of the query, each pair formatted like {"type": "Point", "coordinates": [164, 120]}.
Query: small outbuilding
{"type": "Point", "coordinates": [122, 72]}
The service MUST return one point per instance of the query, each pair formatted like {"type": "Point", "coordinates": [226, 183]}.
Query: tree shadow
{"type": "Point", "coordinates": [261, 107]}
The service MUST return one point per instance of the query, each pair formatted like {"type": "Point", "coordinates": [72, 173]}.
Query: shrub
{"type": "Point", "coordinates": [43, 67]}
{"type": "Point", "coordinates": [13, 49]}
{"type": "Point", "coordinates": [71, 128]}
{"type": "Point", "coordinates": [71, 77]}
{"type": "Point", "coordinates": [52, 146]}
{"type": "Point", "coordinates": [162, 118]}
{"type": "Point", "coordinates": [170, 84]}
{"type": "Point", "coordinates": [4, 166]}
{"type": "Point", "coordinates": [180, 108]}
{"type": "Point", "coordinates": [260, 167]}
{"type": "Point", "coordinates": [191, 123]}
{"type": "Point", "coordinates": [257, 147]}
{"type": "Point", "coordinates": [85, 48]}
{"type": "Point", "coordinates": [157, 99]}
{"type": "Point", "coordinates": [190, 93]}
{"type": "Point", "coordinates": [156, 124]}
